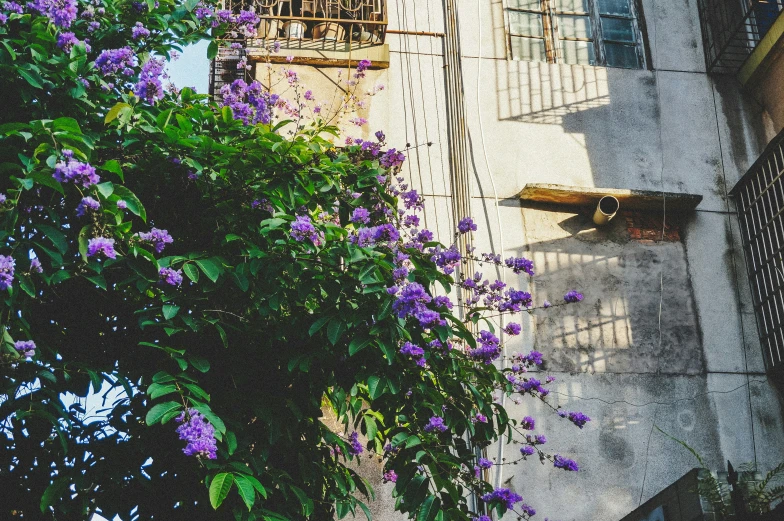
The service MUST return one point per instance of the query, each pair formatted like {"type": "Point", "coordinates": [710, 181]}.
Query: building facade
{"type": "Point", "coordinates": [660, 102]}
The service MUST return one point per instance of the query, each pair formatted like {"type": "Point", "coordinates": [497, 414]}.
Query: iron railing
{"type": "Point", "coordinates": [759, 197]}
{"type": "Point", "coordinates": [732, 29]}
{"type": "Point", "coordinates": [340, 25]}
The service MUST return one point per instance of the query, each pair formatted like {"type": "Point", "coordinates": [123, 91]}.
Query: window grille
{"type": "Point", "coordinates": [732, 29]}
{"type": "Point", "coordinates": [586, 32]}
{"type": "Point", "coordinates": [759, 197]}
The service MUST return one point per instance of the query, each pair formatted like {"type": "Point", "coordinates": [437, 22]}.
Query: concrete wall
{"type": "Point", "coordinates": [666, 335]}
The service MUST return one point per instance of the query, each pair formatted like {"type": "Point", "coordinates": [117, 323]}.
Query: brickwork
{"type": "Point", "coordinates": [647, 227]}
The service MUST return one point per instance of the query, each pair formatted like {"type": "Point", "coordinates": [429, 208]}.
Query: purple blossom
{"type": "Point", "coordinates": [87, 203]}
{"type": "Point", "coordinates": [139, 31]}
{"type": "Point", "coordinates": [435, 424]}
{"type": "Point", "coordinates": [114, 61]}
{"type": "Point", "coordinates": [415, 352]}
{"type": "Point", "coordinates": [102, 245]}
{"type": "Point", "coordinates": [122, 205]}
{"type": "Point", "coordinates": [412, 298]}
{"type": "Point", "coordinates": [355, 447]}
{"type": "Point", "coordinates": [534, 357]}
{"type": "Point", "coordinates": [573, 296]}
{"type": "Point", "coordinates": [3, 18]}
{"type": "Point", "coordinates": [520, 264]}
{"type": "Point", "coordinates": [482, 518]}
{"type": "Point", "coordinates": [389, 477]}
{"type": "Point", "coordinates": [512, 329]}
{"type": "Point", "coordinates": [157, 238]}
{"type": "Point", "coordinates": [363, 65]}
{"type": "Point", "coordinates": [7, 266]}
{"type": "Point", "coordinates": [503, 495]}
{"type": "Point", "coordinates": [540, 439]}
{"type": "Point", "coordinates": [66, 41]}
{"type": "Point", "coordinates": [565, 463]}
{"type": "Point", "coordinates": [360, 215]}
{"type": "Point", "coordinates": [35, 266]}
{"type": "Point", "coordinates": [392, 158]}
{"type": "Point", "coordinates": [546, 304]}
{"type": "Point", "coordinates": [76, 172]}
{"type": "Point", "coordinates": [302, 228]}
{"type": "Point", "coordinates": [527, 450]}
{"type": "Point", "coordinates": [13, 7]}
{"type": "Point", "coordinates": [412, 199]}
{"type": "Point", "coordinates": [528, 423]}
{"type": "Point", "coordinates": [200, 435]}
{"type": "Point", "coordinates": [149, 86]}
{"type": "Point", "coordinates": [481, 418]}
{"type": "Point", "coordinates": [489, 348]}
{"type": "Point", "coordinates": [466, 225]}
{"type": "Point", "coordinates": [170, 276]}
{"type": "Point", "coordinates": [447, 259]}
{"type": "Point", "coordinates": [251, 104]}
{"type": "Point", "coordinates": [577, 418]}
{"type": "Point", "coordinates": [26, 348]}
{"type": "Point", "coordinates": [62, 13]}
{"type": "Point", "coordinates": [442, 301]}
{"type": "Point", "coordinates": [380, 136]}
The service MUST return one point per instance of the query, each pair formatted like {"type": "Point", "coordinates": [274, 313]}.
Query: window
{"type": "Point", "coordinates": [586, 32]}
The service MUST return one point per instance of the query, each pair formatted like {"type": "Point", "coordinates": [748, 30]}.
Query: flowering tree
{"type": "Point", "coordinates": [228, 275]}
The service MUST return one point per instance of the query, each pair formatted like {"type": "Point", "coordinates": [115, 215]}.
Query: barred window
{"type": "Point", "coordinates": [586, 32]}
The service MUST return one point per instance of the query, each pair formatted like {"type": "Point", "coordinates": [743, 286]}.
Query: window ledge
{"type": "Point", "coordinates": [628, 199]}
{"type": "Point", "coordinates": [377, 54]}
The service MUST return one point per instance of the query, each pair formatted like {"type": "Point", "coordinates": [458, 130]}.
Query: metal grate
{"type": "Point", "coordinates": [732, 29]}
{"type": "Point", "coordinates": [759, 197]}
{"type": "Point", "coordinates": [223, 70]}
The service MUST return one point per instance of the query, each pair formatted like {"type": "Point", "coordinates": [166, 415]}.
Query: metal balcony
{"type": "Point", "coordinates": [732, 29]}
{"type": "Point", "coordinates": [333, 25]}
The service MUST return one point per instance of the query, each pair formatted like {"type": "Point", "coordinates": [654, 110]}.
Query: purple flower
{"type": "Point", "coordinates": [114, 61]}
{"type": "Point", "coordinates": [149, 86]}
{"type": "Point", "coordinates": [302, 228]}
{"type": "Point", "coordinates": [482, 518]}
{"type": "Point", "coordinates": [380, 136]}
{"type": "Point", "coordinates": [7, 266]}
{"type": "Point", "coordinates": [565, 463]}
{"type": "Point", "coordinates": [171, 276]}
{"type": "Point", "coordinates": [512, 329]}
{"type": "Point", "coordinates": [481, 418]}
{"type": "Point", "coordinates": [435, 424]}
{"type": "Point", "coordinates": [412, 199]}
{"type": "Point", "coordinates": [411, 299]}
{"type": "Point", "coordinates": [442, 301]}
{"type": "Point", "coordinates": [356, 447]}
{"type": "Point", "coordinates": [466, 225]}
{"type": "Point", "coordinates": [573, 296]}
{"type": "Point", "coordinates": [156, 238]}
{"type": "Point", "coordinates": [35, 266]}
{"type": "Point", "coordinates": [3, 18]}
{"type": "Point", "coordinates": [102, 245]}
{"type": "Point", "coordinates": [415, 352]}
{"type": "Point", "coordinates": [200, 435]}
{"type": "Point", "coordinates": [503, 495]}
{"type": "Point", "coordinates": [363, 65]}
{"type": "Point", "coordinates": [122, 205]}
{"type": "Point", "coordinates": [540, 439]}
{"type": "Point", "coordinates": [62, 13]}
{"type": "Point", "coordinates": [520, 264]}
{"type": "Point", "coordinates": [26, 348]}
{"type": "Point", "coordinates": [66, 41]}
{"type": "Point", "coordinates": [546, 304]}
{"type": "Point", "coordinates": [13, 7]}
{"type": "Point", "coordinates": [389, 477]}
{"type": "Point", "coordinates": [308, 95]}
{"type": "Point", "coordinates": [360, 215]}
{"type": "Point", "coordinates": [392, 158]}
{"type": "Point", "coordinates": [528, 423]}
{"type": "Point", "coordinates": [87, 203]}
{"type": "Point", "coordinates": [534, 357]}
{"type": "Point", "coordinates": [447, 259]}
{"type": "Point", "coordinates": [76, 172]}
{"type": "Point", "coordinates": [577, 418]}
{"type": "Point", "coordinates": [527, 450]}
{"type": "Point", "coordinates": [489, 348]}
{"type": "Point", "coordinates": [139, 31]}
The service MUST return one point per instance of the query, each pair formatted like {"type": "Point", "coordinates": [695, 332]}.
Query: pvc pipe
{"type": "Point", "coordinates": [605, 210]}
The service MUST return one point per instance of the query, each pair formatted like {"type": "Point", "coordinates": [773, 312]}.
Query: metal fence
{"type": "Point", "coordinates": [759, 197]}
{"type": "Point", "coordinates": [732, 29]}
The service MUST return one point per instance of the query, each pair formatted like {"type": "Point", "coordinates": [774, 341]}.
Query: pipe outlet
{"type": "Point", "coordinates": [605, 210]}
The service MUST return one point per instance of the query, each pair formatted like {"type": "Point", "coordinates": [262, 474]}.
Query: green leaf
{"type": "Point", "coordinates": [106, 189]}
{"type": "Point", "coordinates": [114, 112]}
{"type": "Point", "coordinates": [170, 311]}
{"type": "Point", "coordinates": [211, 416]}
{"type": "Point", "coordinates": [159, 411]}
{"type": "Point", "coordinates": [210, 268]}
{"type": "Point", "coordinates": [219, 488]}
{"type": "Point", "coordinates": [429, 509]}
{"type": "Point", "coordinates": [66, 125]}
{"type": "Point", "coordinates": [56, 236]}
{"type": "Point", "coordinates": [114, 167]}
{"type": "Point", "coordinates": [245, 490]}
{"type": "Point", "coordinates": [200, 364]}
{"type": "Point", "coordinates": [305, 501]}
{"type": "Point", "coordinates": [370, 425]}
{"type": "Point", "coordinates": [317, 325]}
{"type": "Point", "coordinates": [33, 78]}
{"type": "Point", "coordinates": [155, 391]}
{"type": "Point", "coordinates": [257, 485]}
{"type": "Point", "coordinates": [335, 330]}
{"type": "Point", "coordinates": [84, 239]}
{"type": "Point", "coordinates": [191, 271]}
{"type": "Point", "coordinates": [413, 441]}
{"type": "Point", "coordinates": [212, 50]}
{"type": "Point", "coordinates": [53, 492]}
{"type": "Point", "coordinates": [134, 204]}
{"type": "Point", "coordinates": [357, 344]}
{"type": "Point", "coordinates": [375, 387]}
{"type": "Point", "coordinates": [231, 443]}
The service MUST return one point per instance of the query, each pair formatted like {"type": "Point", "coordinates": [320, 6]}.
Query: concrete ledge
{"type": "Point", "coordinates": [629, 199]}
{"type": "Point", "coordinates": [764, 54]}
{"type": "Point", "coordinates": [338, 55]}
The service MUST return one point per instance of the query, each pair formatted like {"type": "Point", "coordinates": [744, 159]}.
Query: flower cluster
{"type": "Point", "coordinates": [503, 495]}
{"type": "Point", "coordinates": [302, 228]}
{"type": "Point", "coordinates": [199, 433]}
{"type": "Point", "coordinates": [139, 31]}
{"type": "Point", "coordinates": [68, 40]}
{"type": "Point", "coordinates": [101, 245]}
{"type": "Point", "coordinates": [370, 236]}
{"type": "Point", "coordinates": [149, 86]}
{"type": "Point", "coordinates": [578, 418]}
{"type": "Point", "coordinates": [26, 348]}
{"type": "Point", "coordinates": [489, 348]}
{"type": "Point", "coordinates": [62, 13]}
{"type": "Point", "coordinates": [389, 477]}
{"type": "Point", "coordinates": [6, 272]}
{"type": "Point", "coordinates": [251, 104]}
{"type": "Point", "coordinates": [436, 424]}
{"type": "Point", "coordinates": [573, 296]}
{"type": "Point", "coordinates": [87, 204]}
{"type": "Point", "coordinates": [75, 172]}
{"type": "Point", "coordinates": [113, 62]}
{"type": "Point", "coordinates": [482, 464]}
{"type": "Point", "coordinates": [156, 238]}
{"type": "Point", "coordinates": [466, 225]}
{"type": "Point", "coordinates": [560, 462]}
{"type": "Point", "coordinates": [170, 276]}
{"type": "Point", "coordinates": [415, 352]}
{"type": "Point", "coordinates": [355, 447]}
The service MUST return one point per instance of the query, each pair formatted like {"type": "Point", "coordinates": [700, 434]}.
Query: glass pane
{"type": "Point", "coordinates": [614, 7]}
{"type": "Point", "coordinates": [525, 23]}
{"type": "Point", "coordinates": [571, 6]}
{"type": "Point", "coordinates": [528, 49]}
{"type": "Point", "coordinates": [580, 53]}
{"type": "Point", "coordinates": [574, 26]}
{"type": "Point", "coordinates": [531, 5]}
{"type": "Point", "coordinates": [619, 55]}
{"type": "Point", "coordinates": [615, 29]}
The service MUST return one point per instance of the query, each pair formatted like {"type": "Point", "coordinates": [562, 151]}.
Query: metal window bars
{"type": "Point", "coordinates": [339, 25]}
{"type": "Point", "coordinates": [732, 29]}
{"type": "Point", "coordinates": [759, 197]}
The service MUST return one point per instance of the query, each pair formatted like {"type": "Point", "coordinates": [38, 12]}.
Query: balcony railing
{"type": "Point", "coordinates": [759, 197]}
{"type": "Point", "coordinates": [339, 25]}
{"type": "Point", "coordinates": [732, 29]}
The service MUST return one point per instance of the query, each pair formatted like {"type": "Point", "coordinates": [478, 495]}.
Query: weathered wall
{"type": "Point", "coordinates": [696, 370]}
{"type": "Point", "coordinates": [767, 89]}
